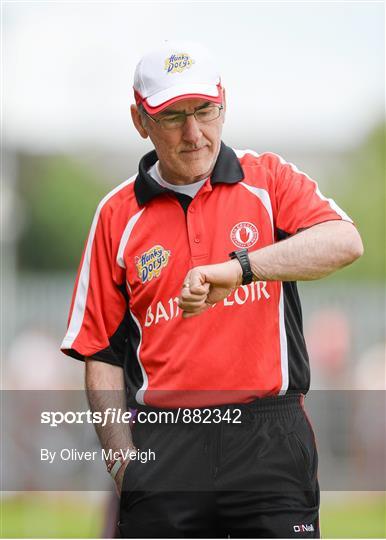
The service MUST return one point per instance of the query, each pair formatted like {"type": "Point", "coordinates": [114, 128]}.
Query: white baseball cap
{"type": "Point", "coordinates": [175, 71]}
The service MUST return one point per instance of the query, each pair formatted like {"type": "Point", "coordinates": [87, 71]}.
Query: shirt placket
{"type": "Point", "coordinates": [198, 229]}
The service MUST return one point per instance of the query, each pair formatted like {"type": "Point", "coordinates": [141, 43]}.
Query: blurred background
{"type": "Point", "coordinates": [303, 79]}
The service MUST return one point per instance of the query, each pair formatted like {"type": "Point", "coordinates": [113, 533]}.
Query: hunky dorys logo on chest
{"type": "Point", "coordinates": [151, 262]}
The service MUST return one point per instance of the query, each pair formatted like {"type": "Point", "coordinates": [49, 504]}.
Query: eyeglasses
{"type": "Point", "coordinates": [177, 120]}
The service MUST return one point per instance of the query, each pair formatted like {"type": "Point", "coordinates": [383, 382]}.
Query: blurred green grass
{"type": "Point", "coordinates": [359, 518]}
{"type": "Point", "coordinates": [44, 516]}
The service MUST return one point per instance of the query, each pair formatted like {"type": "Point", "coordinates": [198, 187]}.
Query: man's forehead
{"type": "Point", "coordinates": [185, 105]}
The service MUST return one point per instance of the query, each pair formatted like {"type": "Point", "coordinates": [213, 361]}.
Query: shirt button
{"type": "Point", "coordinates": [191, 209]}
{"type": "Point", "coordinates": [197, 239]}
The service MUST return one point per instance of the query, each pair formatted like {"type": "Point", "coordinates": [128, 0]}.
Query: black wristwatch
{"type": "Point", "coordinates": [242, 256]}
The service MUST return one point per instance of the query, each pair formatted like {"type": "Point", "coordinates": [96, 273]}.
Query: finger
{"type": "Point", "coordinates": [199, 288]}
{"type": "Point", "coordinates": [191, 299]}
{"type": "Point", "coordinates": [191, 305]}
{"type": "Point", "coordinates": [187, 293]}
{"type": "Point", "coordinates": [187, 298]}
{"type": "Point", "coordinates": [196, 290]}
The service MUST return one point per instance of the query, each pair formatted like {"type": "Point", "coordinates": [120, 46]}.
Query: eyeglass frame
{"type": "Point", "coordinates": [183, 113]}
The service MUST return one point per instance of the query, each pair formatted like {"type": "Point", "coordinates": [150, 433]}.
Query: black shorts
{"type": "Point", "coordinates": [253, 479]}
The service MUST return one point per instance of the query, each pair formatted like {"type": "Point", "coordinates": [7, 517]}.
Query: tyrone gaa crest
{"type": "Point", "coordinates": [244, 234]}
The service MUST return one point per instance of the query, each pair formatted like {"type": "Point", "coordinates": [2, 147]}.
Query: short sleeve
{"type": "Point", "coordinates": [299, 202]}
{"type": "Point", "coordinates": [97, 324]}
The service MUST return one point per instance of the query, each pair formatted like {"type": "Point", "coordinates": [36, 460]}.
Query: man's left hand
{"type": "Point", "coordinates": [204, 286]}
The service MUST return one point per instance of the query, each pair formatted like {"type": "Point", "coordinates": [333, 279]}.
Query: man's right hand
{"type": "Point", "coordinates": [119, 477]}
{"type": "Point", "coordinates": [106, 390]}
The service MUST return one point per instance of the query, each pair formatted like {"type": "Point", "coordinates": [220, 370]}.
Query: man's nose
{"type": "Point", "coordinates": [191, 130]}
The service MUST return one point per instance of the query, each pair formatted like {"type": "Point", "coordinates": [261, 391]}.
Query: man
{"type": "Point", "coordinates": [161, 310]}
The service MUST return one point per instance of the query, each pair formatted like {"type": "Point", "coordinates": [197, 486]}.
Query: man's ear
{"type": "Point", "coordinates": [224, 102]}
{"type": "Point", "coordinates": [138, 121]}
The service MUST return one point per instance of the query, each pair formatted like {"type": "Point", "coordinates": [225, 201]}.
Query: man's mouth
{"type": "Point", "coordinates": [192, 150]}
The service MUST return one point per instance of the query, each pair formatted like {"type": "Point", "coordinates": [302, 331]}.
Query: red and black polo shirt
{"type": "Point", "coordinates": [143, 240]}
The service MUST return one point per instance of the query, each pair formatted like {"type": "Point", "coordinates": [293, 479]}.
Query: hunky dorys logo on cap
{"type": "Point", "coordinates": [173, 72]}
{"type": "Point", "coordinates": [178, 62]}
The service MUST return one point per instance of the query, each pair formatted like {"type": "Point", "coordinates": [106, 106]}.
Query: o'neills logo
{"type": "Point", "coordinates": [303, 528]}
{"type": "Point", "coordinates": [244, 234]}
{"type": "Point", "coordinates": [150, 263]}
{"type": "Point", "coordinates": [176, 63]}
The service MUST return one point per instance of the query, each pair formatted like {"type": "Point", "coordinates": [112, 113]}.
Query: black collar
{"type": "Point", "coordinates": [226, 170]}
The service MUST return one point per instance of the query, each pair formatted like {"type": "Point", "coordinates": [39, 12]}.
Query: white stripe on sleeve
{"type": "Point", "coordinates": [83, 283]}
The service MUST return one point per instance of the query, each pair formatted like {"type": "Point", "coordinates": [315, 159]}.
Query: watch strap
{"type": "Point", "coordinates": [242, 256]}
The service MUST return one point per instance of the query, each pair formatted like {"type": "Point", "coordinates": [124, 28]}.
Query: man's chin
{"type": "Point", "coordinates": [197, 173]}
{"type": "Point", "coordinates": [197, 169]}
